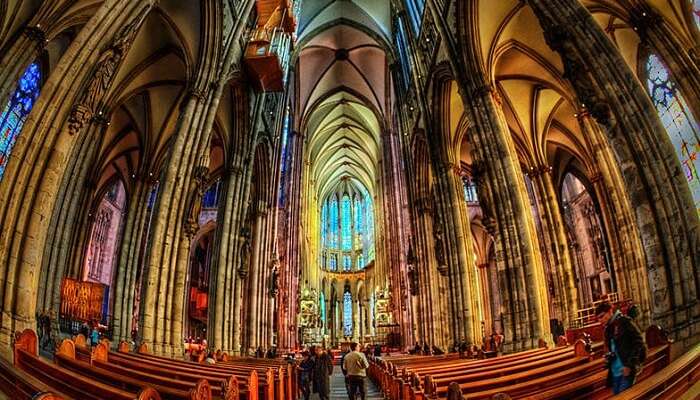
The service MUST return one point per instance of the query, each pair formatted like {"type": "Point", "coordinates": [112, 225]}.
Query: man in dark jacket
{"type": "Point", "coordinates": [626, 348]}
{"type": "Point", "coordinates": [323, 369]}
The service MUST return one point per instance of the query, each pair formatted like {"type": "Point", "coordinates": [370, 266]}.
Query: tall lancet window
{"type": "Point", "coordinates": [346, 223]}
{"type": "Point", "coordinates": [696, 12]}
{"type": "Point", "coordinates": [415, 11]}
{"type": "Point", "coordinates": [681, 126]}
{"type": "Point", "coordinates": [322, 307]}
{"type": "Point", "coordinates": [333, 229]}
{"type": "Point", "coordinates": [16, 111]}
{"type": "Point", "coordinates": [347, 313]}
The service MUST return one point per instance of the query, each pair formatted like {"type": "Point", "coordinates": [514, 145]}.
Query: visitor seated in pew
{"type": "Point", "coordinates": [426, 349]}
{"type": "Point", "coordinates": [626, 347]}
{"type": "Point", "coordinates": [437, 351]}
{"type": "Point", "coordinates": [416, 349]}
{"type": "Point", "coordinates": [211, 359]}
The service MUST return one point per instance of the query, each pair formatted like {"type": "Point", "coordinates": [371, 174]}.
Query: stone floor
{"type": "Point", "coordinates": [338, 391]}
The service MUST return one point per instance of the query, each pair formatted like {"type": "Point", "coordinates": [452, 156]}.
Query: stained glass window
{"type": "Point", "coordinates": [152, 196]}
{"type": "Point", "coordinates": [360, 262]}
{"type": "Point", "coordinates": [469, 190]}
{"type": "Point", "coordinates": [322, 307]}
{"type": "Point", "coordinates": [415, 11]}
{"type": "Point", "coordinates": [347, 263]}
{"type": "Point", "coordinates": [369, 223]}
{"type": "Point", "coordinates": [211, 196]}
{"type": "Point", "coordinates": [346, 223]}
{"type": "Point", "coordinates": [347, 314]}
{"type": "Point", "coordinates": [16, 111]}
{"type": "Point", "coordinates": [696, 12]}
{"type": "Point", "coordinates": [333, 262]}
{"type": "Point", "coordinates": [324, 224]}
{"type": "Point", "coordinates": [404, 53]}
{"type": "Point", "coordinates": [357, 210]}
{"type": "Point", "coordinates": [333, 228]}
{"type": "Point", "coordinates": [681, 126]}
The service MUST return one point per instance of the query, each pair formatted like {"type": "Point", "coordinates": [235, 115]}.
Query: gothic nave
{"type": "Point", "coordinates": [248, 175]}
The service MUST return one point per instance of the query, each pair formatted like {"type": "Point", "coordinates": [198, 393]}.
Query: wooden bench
{"type": "Point", "coordinates": [66, 383]}
{"type": "Point", "coordinates": [274, 382]}
{"type": "Point", "coordinates": [580, 380]}
{"type": "Point", "coordinates": [129, 380]}
{"type": "Point", "coordinates": [670, 382]}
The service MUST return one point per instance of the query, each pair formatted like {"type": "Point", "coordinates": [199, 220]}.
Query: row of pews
{"type": "Point", "coordinates": [81, 372]}
{"type": "Point", "coordinates": [564, 372]}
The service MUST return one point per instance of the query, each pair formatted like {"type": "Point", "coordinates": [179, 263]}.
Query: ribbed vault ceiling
{"type": "Point", "coordinates": [342, 88]}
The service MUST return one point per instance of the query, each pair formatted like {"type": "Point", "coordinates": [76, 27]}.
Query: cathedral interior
{"type": "Point", "coordinates": [249, 175]}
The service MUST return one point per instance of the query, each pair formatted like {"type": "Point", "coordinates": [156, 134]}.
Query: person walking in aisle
{"type": "Point", "coordinates": [323, 369]}
{"type": "Point", "coordinates": [626, 347]}
{"type": "Point", "coordinates": [355, 363]}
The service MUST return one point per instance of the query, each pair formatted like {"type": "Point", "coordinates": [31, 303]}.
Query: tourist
{"type": "Point", "coordinates": [355, 364]}
{"type": "Point", "coordinates": [323, 369]}
{"type": "Point", "coordinates": [306, 368]}
{"type": "Point", "coordinates": [211, 360]}
{"type": "Point", "coordinates": [377, 350]}
{"type": "Point", "coordinates": [259, 353]}
{"type": "Point", "coordinates": [426, 349]}
{"type": "Point", "coordinates": [94, 335]}
{"type": "Point", "coordinates": [626, 348]}
{"type": "Point", "coordinates": [416, 349]}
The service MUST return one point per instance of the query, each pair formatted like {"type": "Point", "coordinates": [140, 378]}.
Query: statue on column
{"type": "Point", "coordinates": [274, 278]}
{"type": "Point", "coordinates": [412, 271]}
{"type": "Point", "coordinates": [245, 254]}
{"type": "Point", "coordinates": [440, 252]}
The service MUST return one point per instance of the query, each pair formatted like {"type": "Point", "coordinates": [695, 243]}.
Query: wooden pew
{"type": "Point", "coordinates": [241, 371]}
{"type": "Point", "coordinates": [136, 364]}
{"type": "Point", "coordinates": [670, 382]}
{"type": "Point", "coordinates": [64, 382]}
{"type": "Point", "coordinates": [100, 370]}
{"type": "Point", "coordinates": [582, 379]}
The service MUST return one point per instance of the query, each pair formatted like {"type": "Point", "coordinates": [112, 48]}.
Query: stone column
{"type": "Point", "coordinates": [661, 199]}
{"type": "Point", "coordinates": [41, 152]}
{"type": "Point", "coordinates": [627, 253]}
{"type": "Point", "coordinates": [256, 265]}
{"type": "Point", "coordinates": [503, 199]}
{"type": "Point", "coordinates": [554, 243]}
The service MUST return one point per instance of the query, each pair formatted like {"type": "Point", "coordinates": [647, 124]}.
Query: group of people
{"type": "Point", "coordinates": [270, 353]}
{"type": "Point", "coordinates": [315, 370]}
{"type": "Point", "coordinates": [426, 350]}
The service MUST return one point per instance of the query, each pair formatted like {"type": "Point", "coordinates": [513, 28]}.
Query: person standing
{"type": "Point", "coordinates": [626, 348]}
{"type": "Point", "coordinates": [323, 369]}
{"type": "Point", "coordinates": [306, 368]}
{"type": "Point", "coordinates": [355, 363]}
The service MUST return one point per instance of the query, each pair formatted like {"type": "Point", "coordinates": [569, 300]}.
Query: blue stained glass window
{"type": "Point", "coordinates": [347, 263]}
{"type": "Point", "coordinates": [324, 224]}
{"type": "Point", "coordinates": [358, 216]}
{"type": "Point", "coordinates": [346, 223]}
{"type": "Point", "coordinates": [15, 113]}
{"type": "Point", "coordinates": [152, 196]}
{"type": "Point", "coordinates": [347, 314]}
{"type": "Point", "coordinates": [469, 187]}
{"type": "Point", "coordinates": [322, 307]}
{"type": "Point", "coordinates": [211, 196]}
{"type": "Point", "coordinates": [404, 53]}
{"type": "Point", "coordinates": [333, 262]}
{"type": "Point", "coordinates": [680, 124]}
{"type": "Point", "coordinates": [415, 11]}
{"type": "Point", "coordinates": [334, 226]}
{"type": "Point", "coordinates": [360, 262]}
